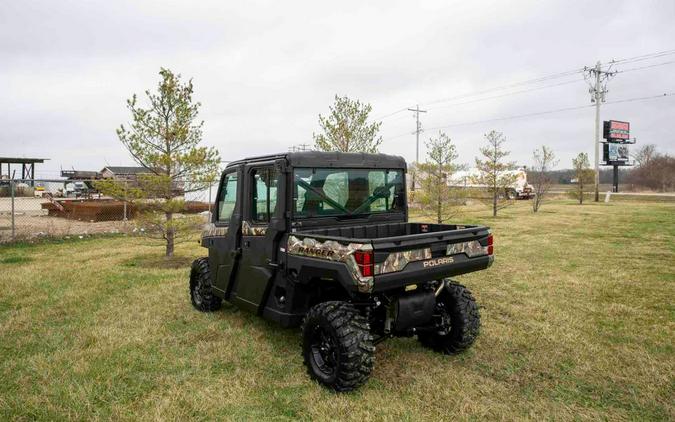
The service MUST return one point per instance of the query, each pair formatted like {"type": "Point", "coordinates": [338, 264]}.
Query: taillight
{"type": "Point", "coordinates": [364, 260]}
{"type": "Point", "coordinates": [490, 248]}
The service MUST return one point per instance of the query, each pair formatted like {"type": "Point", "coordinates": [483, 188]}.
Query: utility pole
{"type": "Point", "coordinates": [597, 79]}
{"type": "Point", "coordinates": [418, 130]}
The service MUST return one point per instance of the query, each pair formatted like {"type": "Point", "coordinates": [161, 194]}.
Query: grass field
{"type": "Point", "coordinates": [578, 323]}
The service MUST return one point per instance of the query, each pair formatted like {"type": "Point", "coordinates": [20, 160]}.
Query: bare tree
{"type": "Point", "coordinates": [544, 160]}
{"type": "Point", "coordinates": [494, 171]}
{"type": "Point", "coordinates": [413, 172]}
{"type": "Point", "coordinates": [664, 172]}
{"type": "Point", "coordinates": [656, 172]}
{"type": "Point", "coordinates": [583, 174]}
{"type": "Point", "coordinates": [644, 154]}
{"type": "Point", "coordinates": [436, 195]}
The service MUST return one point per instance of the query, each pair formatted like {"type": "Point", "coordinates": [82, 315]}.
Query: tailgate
{"type": "Point", "coordinates": [433, 255]}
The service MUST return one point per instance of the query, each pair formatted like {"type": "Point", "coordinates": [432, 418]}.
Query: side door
{"type": "Point", "coordinates": [259, 234]}
{"type": "Point", "coordinates": [224, 244]}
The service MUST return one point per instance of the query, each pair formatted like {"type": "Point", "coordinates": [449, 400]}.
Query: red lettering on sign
{"type": "Point", "coordinates": [619, 125]}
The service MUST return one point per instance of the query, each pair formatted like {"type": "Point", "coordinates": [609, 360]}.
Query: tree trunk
{"type": "Point", "coordinates": [495, 193]}
{"type": "Point", "coordinates": [439, 210]}
{"type": "Point", "coordinates": [169, 235]}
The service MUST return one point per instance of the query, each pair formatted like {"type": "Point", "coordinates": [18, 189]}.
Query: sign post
{"type": "Point", "coordinates": [615, 147]}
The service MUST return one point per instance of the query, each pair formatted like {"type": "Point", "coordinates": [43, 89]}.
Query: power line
{"type": "Point", "coordinates": [518, 116]}
{"type": "Point", "coordinates": [497, 88]}
{"type": "Point", "coordinates": [630, 100]}
{"type": "Point", "coordinates": [512, 85]}
{"type": "Point", "coordinates": [539, 113]}
{"type": "Point", "coordinates": [645, 67]}
{"type": "Point", "coordinates": [391, 114]}
{"type": "Point", "coordinates": [597, 77]}
{"type": "Point", "coordinates": [641, 57]}
{"type": "Point", "coordinates": [544, 78]}
{"type": "Point", "coordinates": [507, 94]}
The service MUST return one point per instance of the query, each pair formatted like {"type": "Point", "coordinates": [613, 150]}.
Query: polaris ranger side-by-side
{"type": "Point", "coordinates": [322, 240]}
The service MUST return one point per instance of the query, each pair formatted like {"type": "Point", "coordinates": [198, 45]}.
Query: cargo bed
{"type": "Point", "coordinates": [406, 253]}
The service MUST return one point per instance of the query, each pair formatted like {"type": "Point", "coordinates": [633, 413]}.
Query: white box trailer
{"type": "Point", "coordinates": [519, 189]}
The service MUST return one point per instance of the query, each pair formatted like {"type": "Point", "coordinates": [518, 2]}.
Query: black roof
{"type": "Point", "coordinates": [80, 174]}
{"type": "Point", "coordinates": [21, 160]}
{"type": "Point", "coordinates": [127, 169]}
{"type": "Point", "coordinates": [330, 159]}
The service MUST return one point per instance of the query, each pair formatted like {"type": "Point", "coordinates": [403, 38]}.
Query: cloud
{"type": "Point", "coordinates": [265, 70]}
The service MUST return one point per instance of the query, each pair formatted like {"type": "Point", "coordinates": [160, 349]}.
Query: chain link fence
{"type": "Point", "coordinates": [41, 208]}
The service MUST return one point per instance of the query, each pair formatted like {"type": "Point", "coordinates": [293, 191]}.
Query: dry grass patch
{"type": "Point", "coordinates": [578, 322]}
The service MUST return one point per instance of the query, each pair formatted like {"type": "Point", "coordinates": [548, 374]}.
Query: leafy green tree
{"type": "Point", "coordinates": [347, 129]}
{"type": "Point", "coordinates": [494, 171]}
{"type": "Point", "coordinates": [583, 174]}
{"type": "Point", "coordinates": [164, 138]}
{"type": "Point", "coordinates": [440, 165]}
{"type": "Point", "coordinates": [543, 161]}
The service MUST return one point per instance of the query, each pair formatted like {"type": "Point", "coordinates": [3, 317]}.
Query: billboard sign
{"type": "Point", "coordinates": [616, 153]}
{"type": "Point", "coordinates": [616, 131]}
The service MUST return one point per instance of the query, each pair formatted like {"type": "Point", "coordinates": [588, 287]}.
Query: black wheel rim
{"type": "Point", "coordinates": [446, 320]}
{"type": "Point", "coordinates": [324, 351]}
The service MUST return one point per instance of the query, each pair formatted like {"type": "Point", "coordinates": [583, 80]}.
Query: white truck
{"type": "Point", "coordinates": [519, 189]}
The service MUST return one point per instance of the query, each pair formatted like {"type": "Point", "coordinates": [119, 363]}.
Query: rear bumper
{"type": "Point", "coordinates": [417, 272]}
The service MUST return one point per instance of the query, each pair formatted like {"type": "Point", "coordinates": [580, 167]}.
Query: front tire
{"type": "Point", "coordinates": [461, 318]}
{"type": "Point", "coordinates": [337, 346]}
{"type": "Point", "coordinates": [201, 295]}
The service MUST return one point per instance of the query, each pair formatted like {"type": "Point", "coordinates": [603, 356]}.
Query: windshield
{"type": "Point", "coordinates": [340, 192]}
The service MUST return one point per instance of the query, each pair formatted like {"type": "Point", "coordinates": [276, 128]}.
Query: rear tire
{"type": "Point", "coordinates": [201, 295]}
{"type": "Point", "coordinates": [337, 346]}
{"type": "Point", "coordinates": [459, 309]}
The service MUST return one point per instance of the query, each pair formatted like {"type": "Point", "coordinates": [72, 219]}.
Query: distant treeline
{"type": "Point", "coordinates": [565, 176]}
{"type": "Point", "coordinates": [654, 171]}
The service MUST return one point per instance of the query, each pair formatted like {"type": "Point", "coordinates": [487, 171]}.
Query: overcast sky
{"type": "Point", "coordinates": [265, 70]}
